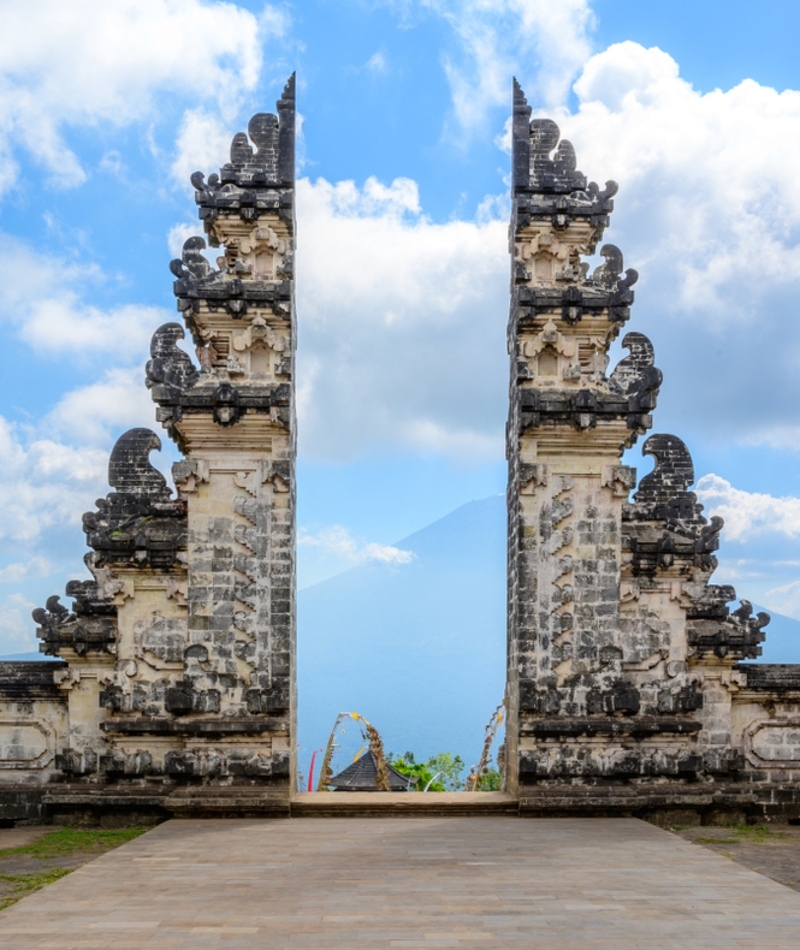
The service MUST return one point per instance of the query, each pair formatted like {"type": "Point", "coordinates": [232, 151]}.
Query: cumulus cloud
{"type": "Point", "coordinates": [44, 483]}
{"type": "Point", "coordinates": [42, 301]}
{"type": "Point", "coordinates": [543, 43]}
{"type": "Point", "coordinates": [748, 513]}
{"type": "Point", "coordinates": [709, 213]}
{"type": "Point", "coordinates": [727, 209]}
{"type": "Point", "coordinates": [407, 351]}
{"type": "Point", "coordinates": [203, 144]}
{"type": "Point", "coordinates": [402, 324]}
{"type": "Point", "coordinates": [21, 570]}
{"type": "Point", "coordinates": [338, 541]}
{"type": "Point", "coordinates": [91, 414]}
{"type": "Point", "coordinates": [142, 49]}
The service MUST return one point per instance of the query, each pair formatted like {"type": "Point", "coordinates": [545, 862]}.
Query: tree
{"type": "Point", "coordinates": [451, 766]}
{"type": "Point", "coordinates": [490, 781]}
{"type": "Point", "coordinates": [441, 773]}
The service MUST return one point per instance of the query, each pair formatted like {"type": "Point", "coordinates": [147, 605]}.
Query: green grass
{"type": "Point", "coordinates": [64, 843]}
{"type": "Point", "coordinates": [24, 884]}
{"type": "Point", "coordinates": [74, 840]}
{"type": "Point", "coordinates": [744, 834]}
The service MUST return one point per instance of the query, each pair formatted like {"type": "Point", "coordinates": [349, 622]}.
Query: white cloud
{"type": "Point", "coordinates": [90, 414]}
{"type": "Point", "coordinates": [48, 483]}
{"type": "Point", "coordinates": [407, 350]}
{"type": "Point", "coordinates": [402, 324]}
{"type": "Point", "coordinates": [707, 172]}
{"type": "Point", "coordinates": [16, 627]}
{"type": "Point", "coordinates": [203, 144]}
{"type": "Point", "coordinates": [337, 540]}
{"type": "Point", "coordinates": [543, 43]}
{"type": "Point", "coordinates": [709, 213]}
{"type": "Point", "coordinates": [377, 64]}
{"type": "Point", "coordinates": [44, 483]}
{"type": "Point", "coordinates": [41, 299]}
{"type": "Point", "coordinates": [748, 513]}
{"type": "Point", "coordinates": [20, 570]}
{"type": "Point", "coordinates": [87, 61]}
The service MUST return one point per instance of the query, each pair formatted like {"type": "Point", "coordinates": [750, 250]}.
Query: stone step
{"type": "Point", "coordinates": [402, 804]}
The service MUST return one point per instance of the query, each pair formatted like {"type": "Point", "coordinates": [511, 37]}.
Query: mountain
{"type": "Point", "coordinates": [783, 638]}
{"type": "Point", "coordinates": [419, 648]}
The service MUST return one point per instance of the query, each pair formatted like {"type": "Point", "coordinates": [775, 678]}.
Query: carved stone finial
{"type": "Point", "coordinates": [637, 373]}
{"type": "Point", "coordinates": [129, 468]}
{"type": "Point", "coordinates": [250, 170]}
{"type": "Point", "coordinates": [546, 183]}
{"type": "Point", "coordinates": [192, 263]}
{"type": "Point", "coordinates": [609, 273]}
{"type": "Point", "coordinates": [552, 172]}
{"type": "Point", "coordinates": [169, 365]}
{"type": "Point", "coordinates": [673, 472]}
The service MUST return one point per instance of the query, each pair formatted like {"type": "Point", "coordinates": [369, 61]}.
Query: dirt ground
{"type": "Point", "coordinates": [772, 850]}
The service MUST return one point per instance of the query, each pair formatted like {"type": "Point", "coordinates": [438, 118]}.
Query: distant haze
{"type": "Point", "coordinates": [417, 648]}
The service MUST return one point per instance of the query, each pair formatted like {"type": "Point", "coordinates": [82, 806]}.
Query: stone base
{"type": "Point", "coordinates": [659, 804]}
{"type": "Point", "coordinates": [666, 804]}
{"type": "Point", "coordinates": [402, 804]}
{"type": "Point", "coordinates": [118, 806]}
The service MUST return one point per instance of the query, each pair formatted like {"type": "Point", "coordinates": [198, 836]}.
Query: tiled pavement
{"type": "Point", "coordinates": [412, 882]}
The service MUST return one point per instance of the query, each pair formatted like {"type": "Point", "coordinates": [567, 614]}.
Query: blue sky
{"type": "Point", "coordinates": [105, 110]}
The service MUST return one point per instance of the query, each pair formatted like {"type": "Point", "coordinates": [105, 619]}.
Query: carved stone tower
{"type": "Point", "coordinates": [178, 691]}
{"type": "Point", "coordinates": [625, 688]}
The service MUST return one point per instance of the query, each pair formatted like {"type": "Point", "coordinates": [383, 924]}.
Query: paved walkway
{"type": "Point", "coordinates": [414, 882]}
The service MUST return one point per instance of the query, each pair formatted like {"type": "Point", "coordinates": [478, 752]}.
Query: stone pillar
{"type": "Point", "coordinates": [181, 649]}
{"type": "Point", "coordinates": [622, 658]}
{"type": "Point", "coordinates": [568, 425]}
{"type": "Point", "coordinates": [235, 422]}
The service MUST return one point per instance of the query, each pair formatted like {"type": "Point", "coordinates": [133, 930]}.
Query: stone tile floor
{"type": "Point", "coordinates": [414, 882]}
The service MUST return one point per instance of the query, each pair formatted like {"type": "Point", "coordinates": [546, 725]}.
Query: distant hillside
{"type": "Point", "coordinates": [783, 637]}
{"type": "Point", "coordinates": [419, 649]}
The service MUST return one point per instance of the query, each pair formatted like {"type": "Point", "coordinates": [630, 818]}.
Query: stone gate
{"type": "Point", "coordinates": [174, 692]}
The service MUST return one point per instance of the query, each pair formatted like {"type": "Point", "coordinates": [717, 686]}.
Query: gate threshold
{"type": "Point", "coordinates": [401, 804]}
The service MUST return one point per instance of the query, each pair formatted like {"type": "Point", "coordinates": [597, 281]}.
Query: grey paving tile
{"type": "Point", "coordinates": [416, 882]}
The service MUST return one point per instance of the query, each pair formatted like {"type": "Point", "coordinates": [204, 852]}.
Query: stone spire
{"type": "Point", "coordinates": [181, 647]}
{"type": "Point", "coordinates": [610, 610]}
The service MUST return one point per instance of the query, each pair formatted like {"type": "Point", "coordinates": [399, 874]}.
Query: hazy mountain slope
{"type": "Point", "coordinates": [783, 637]}
{"type": "Point", "coordinates": [418, 649]}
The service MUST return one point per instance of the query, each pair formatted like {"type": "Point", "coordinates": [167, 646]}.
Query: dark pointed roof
{"type": "Point", "coordinates": [360, 777]}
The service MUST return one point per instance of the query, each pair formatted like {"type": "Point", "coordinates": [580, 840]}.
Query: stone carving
{"type": "Point", "coordinates": [610, 273]}
{"type": "Point", "coordinates": [636, 375]}
{"type": "Point", "coordinates": [139, 523]}
{"type": "Point", "coordinates": [192, 264]}
{"type": "Point", "coordinates": [624, 669]}
{"type": "Point", "coordinates": [184, 634]}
